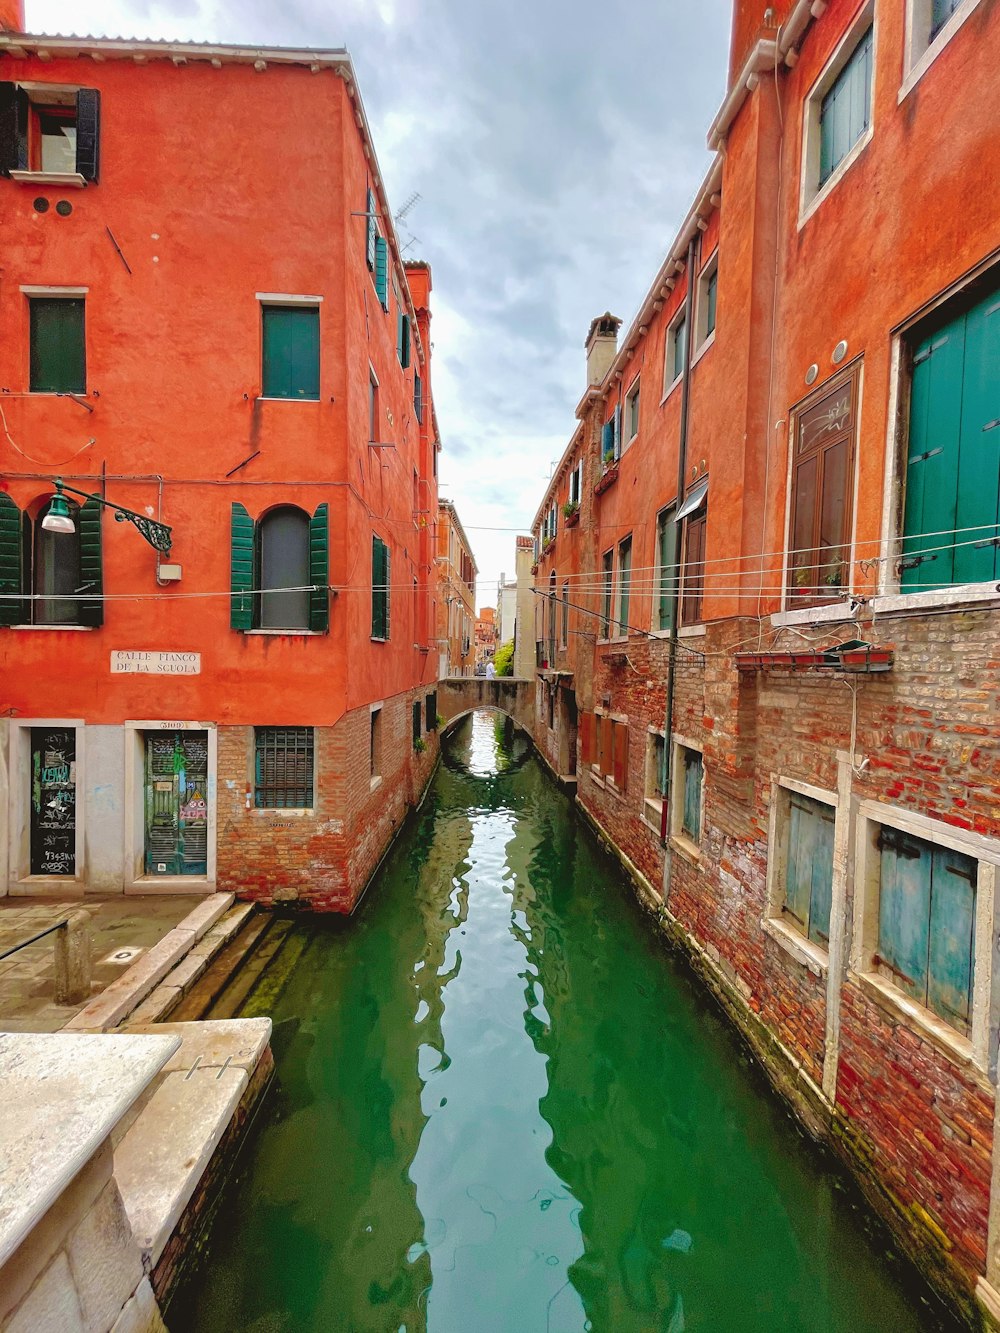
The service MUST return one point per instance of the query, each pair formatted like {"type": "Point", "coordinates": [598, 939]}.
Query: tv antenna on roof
{"type": "Point", "coordinates": [401, 216]}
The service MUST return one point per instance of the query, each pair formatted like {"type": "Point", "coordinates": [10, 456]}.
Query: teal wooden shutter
{"type": "Point", "coordinates": [952, 930]}
{"type": "Point", "coordinates": [846, 110]}
{"type": "Point", "coordinates": [371, 230]}
{"type": "Point", "coordinates": [809, 873]}
{"type": "Point", "coordinates": [977, 510]}
{"type": "Point", "coordinates": [11, 612]}
{"type": "Point", "coordinates": [57, 346]}
{"type": "Point", "coordinates": [404, 359]}
{"type": "Point", "coordinates": [380, 590]}
{"type": "Point", "coordinates": [617, 419]}
{"type": "Point", "coordinates": [88, 133]}
{"type": "Point", "coordinates": [821, 888]}
{"type": "Point", "coordinates": [904, 910]}
{"type": "Point", "coordinates": [291, 352]}
{"type": "Point", "coordinates": [319, 568]}
{"type": "Point", "coordinates": [91, 606]}
{"type": "Point", "coordinates": [241, 568]}
{"type": "Point", "coordinates": [382, 271]}
{"type": "Point", "coordinates": [607, 439]}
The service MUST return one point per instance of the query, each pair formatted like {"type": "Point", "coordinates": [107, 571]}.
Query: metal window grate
{"type": "Point", "coordinates": [284, 768]}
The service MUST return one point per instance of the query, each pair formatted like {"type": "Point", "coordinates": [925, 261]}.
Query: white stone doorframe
{"type": "Point", "coordinates": [20, 881]}
{"type": "Point", "coordinates": [136, 879]}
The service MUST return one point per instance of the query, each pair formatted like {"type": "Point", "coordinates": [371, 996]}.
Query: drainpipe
{"type": "Point", "coordinates": [668, 748]}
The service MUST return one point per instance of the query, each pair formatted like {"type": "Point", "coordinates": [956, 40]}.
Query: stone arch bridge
{"type": "Point", "coordinates": [459, 695]}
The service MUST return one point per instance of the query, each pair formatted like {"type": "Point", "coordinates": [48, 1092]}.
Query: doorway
{"type": "Point", "coordinates": [176, 803]}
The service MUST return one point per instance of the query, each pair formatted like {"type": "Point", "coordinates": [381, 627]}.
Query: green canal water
{"type": "Point", "coordinates": [502, 1106]}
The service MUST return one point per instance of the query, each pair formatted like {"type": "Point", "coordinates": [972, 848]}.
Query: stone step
{"type": "Point", "coordinates": [230, 1000]}
{"type": "Point", "coordinates": [167, 1145]}
{"type": "Point", "coordinates": [170, 993]}
{"type": "Point", "coordinates": [124, 996]}
{"type": "Point", "coordinates": [225, 968]}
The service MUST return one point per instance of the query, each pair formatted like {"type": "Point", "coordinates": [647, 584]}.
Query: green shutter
{"type": "Point", "coordinates": [387, 596]}
{"type": "Point", "coordinates": [291, 352]}
{"type": "Point", "coordinates": [978, 506]}
{"type": "Point", "coordinates": [241, 568]}
{"type": "Point", "coordinates": [904, 910]}
{"type": "Point", "coordinates": [319, 568]}
{"type": "Point", "coordinates": [607, 439]}
{"type": "Point", "coordinates": [845, 112]}
{"type": "Point", "coordinates": [91, 610]}
{"type": "Point", "coordinates": [617, 419]}
{"type": "Point", "coordinates": [953, 923]}
{"type": "Point", "coordinates": [404, 359]}
{"type": "Point", "coordinates": [58, 362]}
{"type": "Point", "coordinates": [382, 271]}
{"type": "Point", "coordinates": [10, 563]}
{"type": "Point", "coordinates": [380, 591]}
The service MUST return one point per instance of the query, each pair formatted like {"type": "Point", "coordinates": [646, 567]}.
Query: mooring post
{"type": "Point", "coordinates": [73, 961]}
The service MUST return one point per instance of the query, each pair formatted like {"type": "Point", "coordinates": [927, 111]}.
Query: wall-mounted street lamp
{"type": "Point", "coordinates": [59, 519]}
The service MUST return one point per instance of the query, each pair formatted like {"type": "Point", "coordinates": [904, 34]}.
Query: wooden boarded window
{"type": "Point", "coordinates": [809, 868]}
{"type": "Point", "coordinates": [291, 352]}
{"type": "Point", "coordinates": [926, 923]}
{"type": "Point", "coordinates": [619, 762]}
{"type": "Point", "coordinates": [692, 770]}
{"type": "Point", "coordinates": [283, 768]}
{"type": "Point", "coordinates": [822, 478]}
{"type": "Point", "coordinates": [846, 110]}
{"type": "Point", "coordinates": [587, 730]}
{"type": "Point", "coordinates": [57, 346]}
{"type": "Point", "coordinates": [951, 522]}
{"type": "Point", "coordinates": [694, 515]}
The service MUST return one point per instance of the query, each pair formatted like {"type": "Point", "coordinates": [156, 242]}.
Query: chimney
{"type": "Point", "coordinates": [601, 345]}
{"type": "Point", "coordinates": [12, 16]}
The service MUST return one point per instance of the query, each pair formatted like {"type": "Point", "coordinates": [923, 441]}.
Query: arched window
{"type": "Point", "coordinates": [52, 569]}
{"type": "Point", "coordinates": [283, 555]}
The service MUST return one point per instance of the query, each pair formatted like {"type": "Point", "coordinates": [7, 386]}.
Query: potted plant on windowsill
{"type": "Point", "coordinates": [610, 473]}
{"type": "Point", "coordinates": [548, 544]}
{"type": "Point", "coordinates": [571, 513]}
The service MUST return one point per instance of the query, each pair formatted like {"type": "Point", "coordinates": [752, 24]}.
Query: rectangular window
{"type": "Point", "coordinates": [624, 584]}
{"type": "Point", "coordinates": [431, 710]}
{"type": "Point", "coordinates": [418, 397]}
{"type": "Point", "coordinates": [926, 923]}
{"type": "Point", "coordinates": [941, 12]}
{"type": "Point", "coordinates": [290, 352]}
{"type": "Point", "coordinates": [693, 572]}
{"type": "Point", "coordinates": [565, 615]}
{"type": "Point", "coordinates": [655, 771]}
{"type": "Point", "coordinates": [846, 108]}
{"type": "Point", "coordinates": [375, 745]}
{"type": "Point", "coordinates": [952, 482]}
{"type": "Point", "coordinates": [373, 423]}
{"type": "Point", "coordinates": [283, 768]}
{"type": "Point", "coordinates": [677, 346]}
{"type": "Point", "coordinates": [416, 721]}
{"type": "Point", "coordinates": [711, 296]}
{"type": "Point", "coordinates": [708, 283]}
{"type": "Point", "coordinates": [666, 571]}
{"type": "Point", "coordinates": [632, 413]}
{"type": "Point", "coordinates": [808, 870]}
{"type": "Point", "coordinates": [687, 798]}
{"type": "Point", "coordinates": [57, 345]}
{"type": "Point", "coordinates": [607, 580]}
{"type": "Point", "coordinates": [380, 589]}
{"type": "Point", "coordinates": [576, 484]}
{"type": "Point", "coordinates": [823, 435]}
{"type": "Point", "coordinates": [48, 130]}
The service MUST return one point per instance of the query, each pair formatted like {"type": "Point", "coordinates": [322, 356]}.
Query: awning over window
{"type": "Point", "coordinates": [694, 501]}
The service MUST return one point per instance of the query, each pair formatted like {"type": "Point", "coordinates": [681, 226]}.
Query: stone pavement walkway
{"type": "Point", "coordinates": [119, 925]}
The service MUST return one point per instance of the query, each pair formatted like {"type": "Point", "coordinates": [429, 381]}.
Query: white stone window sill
{"type": "Point", "coordinates": [653, 828]}
{"type": "Point", "coordinates": [691, 631]}
{"type": "Point", "coordinates": [652, 814]}
{"type": "Point", "coordinates": [71, 179]}
{"type": "Point", "coordinates": [690, 851]}
{"type": "Point", "coordinates": [962, 594]}
{"type": "Point", "coordinates": [801, 949]}
{"type": "Point", "coordinates": [828, 613]}
{"type": "Point", "coordinates": [375, 782]}
{"type": "Point", "coordinates": [265, 398]}
{"type": "Point", "coordinates": [287, 633]}
{"type": "Point", "coordinates": [292, 811]}
{"type": "Point", "coordinates": [373, 639]}
{"type": "Point", "coordinates": [50, 629]}
{"type": "Point", "coordinates": [928, 1025]}
{"type": "Point", "coordinates": [703, 348]}
{"type": "Point", "coordinates": [931, 53]}
{"type": "Point", "coordinates": [836, 176]}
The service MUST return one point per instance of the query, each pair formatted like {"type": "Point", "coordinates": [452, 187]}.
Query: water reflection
{"type": "Point", "coordinates": [501, 1107]}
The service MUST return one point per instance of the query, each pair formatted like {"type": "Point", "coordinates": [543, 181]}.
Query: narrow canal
{"type": "Point", "coordinates": [501, 1106]}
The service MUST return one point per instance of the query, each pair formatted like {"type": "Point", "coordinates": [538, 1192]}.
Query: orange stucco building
{"type": "Point", "coordinates": [226, 343]}
{"type": "Point", "coordinates": [766, 635]}
{"type": "Point", "coordinates": [456, 595]}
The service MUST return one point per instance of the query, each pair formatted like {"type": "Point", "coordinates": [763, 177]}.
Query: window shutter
{"type": "Point", "coordinates": [620, 740]}
{"type": "Point", "coordinates": [371, 230]}
{"type": "Point", "coordinates": [88, 133]}
{"type": "Point", "coordinates": [13, 128]}
{"type": "Point", "coordinates": [952, 929]}
{"type": "Point", "coordinates": [617, 443]}
{"type": "Point", "coordinates": [607, 438]}
{"type": "Point", "coordinates": [91, 565]}
{"type": "Point", "coordinates": [382, 271]}
{"type": "Point", "coordinates": [241, 568]}
{"type": "Point", "coordinates": [10, 563]}
{"type": "Point", "coordinates": [387, 562]}
{"type": "Point", "coordinates": [904, 912]}
{"type": "Point", "coordinates": [418, 397]}
{"type": "Point", "coordinates": [978, 506]}
{"type": "Point", "coordinates": [319, 568]}
{"type": "Point", "coordinates": [607, 746]}
{"type": "Point", "coordinates": [404, 360]}
{"type": "Point", "coordinates": [587, 738]}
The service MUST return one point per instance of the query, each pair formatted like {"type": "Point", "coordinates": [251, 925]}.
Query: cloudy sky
{"type": "Point", "coordinates": [555, 145]}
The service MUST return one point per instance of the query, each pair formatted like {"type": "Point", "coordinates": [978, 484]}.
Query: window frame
{"type": "Point", "coordinates": [672, 377]}
{"type": "Point", "coordinates": [38, 296]}
{"type": "Point", "coordinates": [309, 734]}
{"type": "Point", "coordinates": [705, 336]}
{"type": "Point", "coordinates": [656, 619]}
{"type": "Point", "coordinates": [564, 621]}
{"type": "Point", "coordinates": [375, 745]}
{"type": "Point", "coordinates": [652, 792]}
{"type": "Point", "coordinates": [851, 373]}
{"type": "Point", "coordinates": [873, 815]}
{"type": "Point", "coordinates": [920, 49]}
{"type": "Point", "coordinates": [775, 922]}
{"type": "Point", "coordinates": [623, 588]}
{"type": "Point", "coordinates": [632, 407]}
{"type": "Point", "coordinates": [282, 301]}
{"type": "Point", "coordinates": [373, 405]}
{"type": "Point", "coordinates": [693, 586]}
{"type": "Point", "coordinates": [680, 837]}
{"type": "Point", "coordinates": [812, 191]}
{"type": "Point", "coordinates": [607, 593]}
{"type": "Point", "coordinates": [383, 589]}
